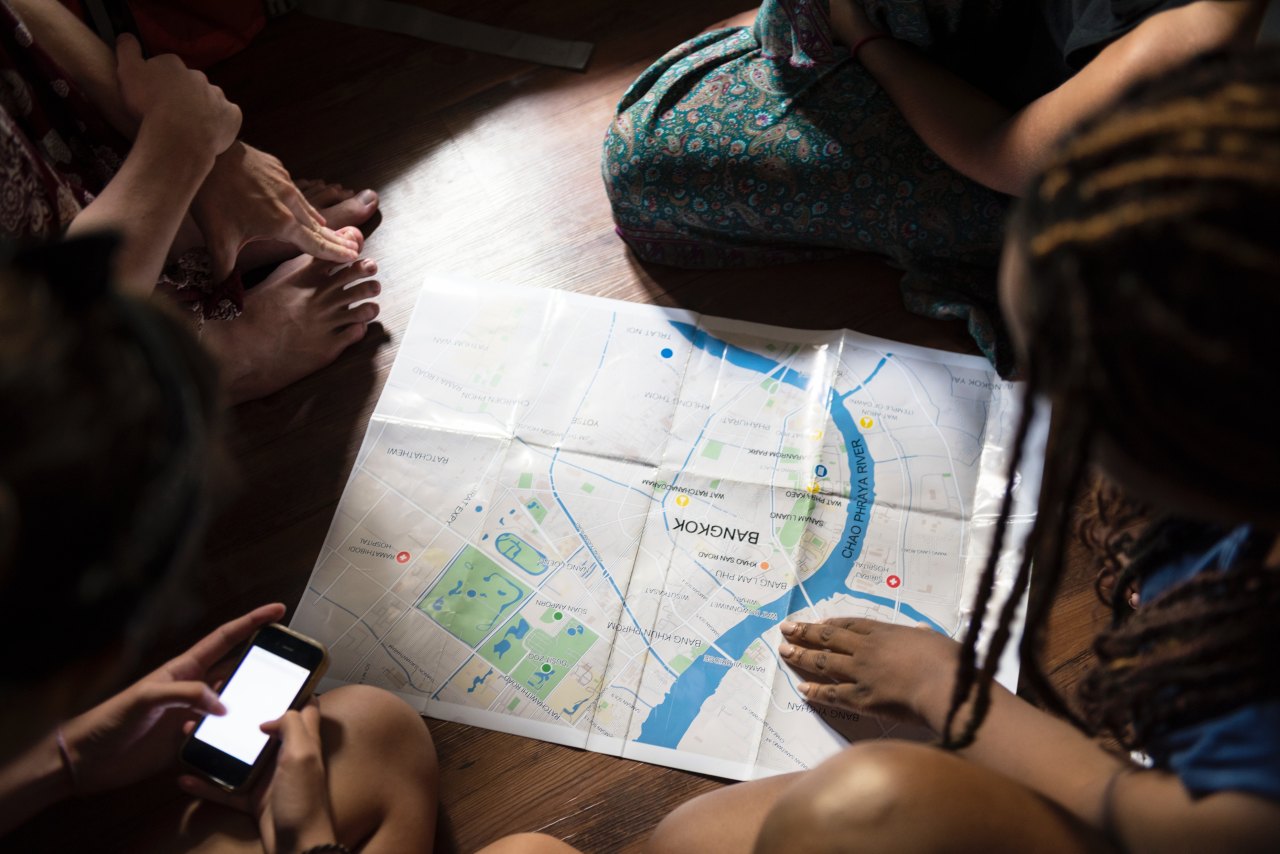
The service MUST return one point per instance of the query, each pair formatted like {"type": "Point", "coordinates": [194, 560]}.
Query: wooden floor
{"type": "Point", "coordinates": [490, 167]}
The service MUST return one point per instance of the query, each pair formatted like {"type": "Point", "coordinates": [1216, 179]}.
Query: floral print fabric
{"type": "Point", "coordinates": [768, 144]}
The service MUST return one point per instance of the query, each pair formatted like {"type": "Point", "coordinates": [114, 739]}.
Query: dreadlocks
{"type": "Point", "coordinates": [1152, 261]}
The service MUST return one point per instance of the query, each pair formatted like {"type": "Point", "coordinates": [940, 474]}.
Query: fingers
{"type": "Point", "coordinates": [222, 259]}
{"type": "Point", "coordinates": [228, 636]}
{"type": "Point", "coordinates": [820, 662]}
{"type": "Point", "coordinates": [301, 723]}
{"type": "Point", "coordinates": [313, 238]}
{"type": "Point", "coordinates": [193, 695]}
{"type": "Point", "coordinates": [860, 625]}
{"type": "Point", "coordinates": [128, 53]}
{"type": "Point", "coordinates": [842, 695]}
{"type": "Point", "coordinates": [828, 635]}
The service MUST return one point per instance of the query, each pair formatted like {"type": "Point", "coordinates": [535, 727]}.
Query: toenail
{"type": "Point", "coordinates": [369, 265]}
{"type": "Point", "coordinates": [368, 197]}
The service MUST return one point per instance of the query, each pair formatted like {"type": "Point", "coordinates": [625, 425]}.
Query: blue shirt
{"type": "Point", "coordinates": [1238, 751]}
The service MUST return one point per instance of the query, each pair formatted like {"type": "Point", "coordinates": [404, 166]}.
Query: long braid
{"type": "Point", "coordinates": [1058, 506]}
{"type": "Point", "coordinates": [967, 670]}
{"type": "Point", "coordinates": [1128, 238]}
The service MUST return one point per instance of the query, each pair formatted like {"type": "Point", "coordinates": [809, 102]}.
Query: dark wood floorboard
{"type": "Point", "coordinates": [487, 168]}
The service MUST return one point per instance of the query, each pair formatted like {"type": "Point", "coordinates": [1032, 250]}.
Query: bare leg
{"type": "Point", "coordinates": [726, 820]}
{"type": "Point", "coordinates": [299, 319]}
{"type": "Point", "coordinates": [905, 797]}
{"type": "Point", "coordinates": [382, 775]}
{"type": "Point", "coordinates": [528, 843]}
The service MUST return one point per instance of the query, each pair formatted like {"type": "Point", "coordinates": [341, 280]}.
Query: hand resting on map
{"type": "Point", "coordinates": [902, 672]}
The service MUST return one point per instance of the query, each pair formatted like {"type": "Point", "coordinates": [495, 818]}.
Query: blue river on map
{"type": "Point", "coordinates": [668, 722]}
{"type": "Point", "coordinates": [738, 357]}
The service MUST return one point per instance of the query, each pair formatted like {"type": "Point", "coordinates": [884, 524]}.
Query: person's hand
{"type": "Point", "coordinates": [850, 23]}
{"type": "Point", "coordinates": [291, 800]}
{"type": "Point", "coordinates": [904, 672]}
{"type": "Point", "coordinates": [249, 196]}
{"type": "Point", "coordinates": [138, 732]}
{"type": "Point", "coordinates": [162, 89]}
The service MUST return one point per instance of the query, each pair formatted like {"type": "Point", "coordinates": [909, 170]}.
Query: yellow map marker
{"type": "Point", "coordinates": [682, 501]}
{"type": "Point", "coordinates": [866, 421]}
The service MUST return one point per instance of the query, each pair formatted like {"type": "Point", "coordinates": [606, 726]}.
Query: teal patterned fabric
{"type": "Point", "coordinates": [768, 144]}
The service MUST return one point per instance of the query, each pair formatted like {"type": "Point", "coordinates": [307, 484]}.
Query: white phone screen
{"type": "Point", "coordinates": [262, 689]}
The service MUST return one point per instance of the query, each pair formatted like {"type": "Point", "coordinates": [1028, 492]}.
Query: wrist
{"type": "Point", "coordinates": [170, 137]}
{"type": "Point", "coordinates": [862, 41]}
{"type": "Point", "coordinates": [31, 782]}
{"type": "Point", "coordinates": [317, 832]}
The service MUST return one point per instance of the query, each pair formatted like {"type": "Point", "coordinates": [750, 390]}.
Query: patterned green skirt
{"type": "Point", "coordinates": [761, 145]}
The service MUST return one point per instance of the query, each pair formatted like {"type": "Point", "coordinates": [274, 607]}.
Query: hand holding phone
{"type": "Point", "coordinates": [135, 734]}
{"type": "Point", "coordinates": [276, 673]}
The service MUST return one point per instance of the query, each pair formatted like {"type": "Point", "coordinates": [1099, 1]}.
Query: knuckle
{"type": "Point", "coordinates": [820, 662]}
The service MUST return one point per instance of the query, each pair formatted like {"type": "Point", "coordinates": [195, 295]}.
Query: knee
{"type": "Point", "coordinates": [375, 727]}
{"type": "Point", "coordinates": [876, 792]}
{"type": "Point", "coordinates": [528, 843]}
{"type": "Point", "coordinates": [682, 829]}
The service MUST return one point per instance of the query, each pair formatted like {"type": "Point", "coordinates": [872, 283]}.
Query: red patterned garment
{"type": "Point", "coordinates": [58, 151]}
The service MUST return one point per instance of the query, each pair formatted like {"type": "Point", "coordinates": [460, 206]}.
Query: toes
{"type": "Point", "coordinates": [362, 291]}
{"type": "Point", "coordinates": [352, 209]}
{"type": "Point", "coordinates": [328, 195]}
{"type": "Point", "coordinates": [363, 313]}
{"type": "Point", "coordinates": [350, 334]}
{"type": "Point", "coordinates": [345, 275]}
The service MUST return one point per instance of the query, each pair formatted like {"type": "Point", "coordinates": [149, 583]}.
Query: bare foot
{"type": "Point", "coordinates": [339, 206]}
{"type": "Point", "coordinates": [299, 319]}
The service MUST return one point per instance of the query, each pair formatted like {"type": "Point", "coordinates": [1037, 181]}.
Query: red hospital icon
{"type": "Point", "coordinates": [893, 581]}
{"type": "Point", "coordinates": [403, 557]}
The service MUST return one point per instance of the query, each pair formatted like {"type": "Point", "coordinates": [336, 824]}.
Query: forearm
{"type": "Point", "coordinates": [1038, 750]}
{"type": "Point", "coordinates": [145, 203]}
{"type": "Point", "coordinates": [964, 126]}
{"type": "Point", "coordinates": [33, 781]}
{"type": "Point", "coordinates": [82, 55]}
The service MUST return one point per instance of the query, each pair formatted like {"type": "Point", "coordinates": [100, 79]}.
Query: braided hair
{"type": "Point", "coordinates": [104, 456]}
{"type": "Point", "coordinates": [1151, 257]}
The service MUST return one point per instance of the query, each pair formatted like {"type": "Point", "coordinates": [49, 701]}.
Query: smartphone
{"type": "Point", "coordinates": [277, 673]}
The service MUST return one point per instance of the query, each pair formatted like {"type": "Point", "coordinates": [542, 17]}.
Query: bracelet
{"type": "Point", "coordinates": [70, 766]}
{"type": "Point", "coordinates": [1107, 819]}
{"type": "Point", "coordinates": [857, 46]}
{"type": "Point", "coordinates": [328, 848]}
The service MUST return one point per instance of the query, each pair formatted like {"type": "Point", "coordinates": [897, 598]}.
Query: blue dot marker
{"type": "Point", "coordinates": [667, 352]}
{"type": "Point", "coordinates": [479, 508]}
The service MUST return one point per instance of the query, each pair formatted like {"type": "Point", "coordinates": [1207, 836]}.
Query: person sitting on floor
{"type": "Point", "coordinates": [897, 128]}
{"type": "Point", "coordinates": [1164, 379]}
{"type": "Point", "coordinates": [148, 148]}
{"type": "Point", "coordinates": [108, 450]}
